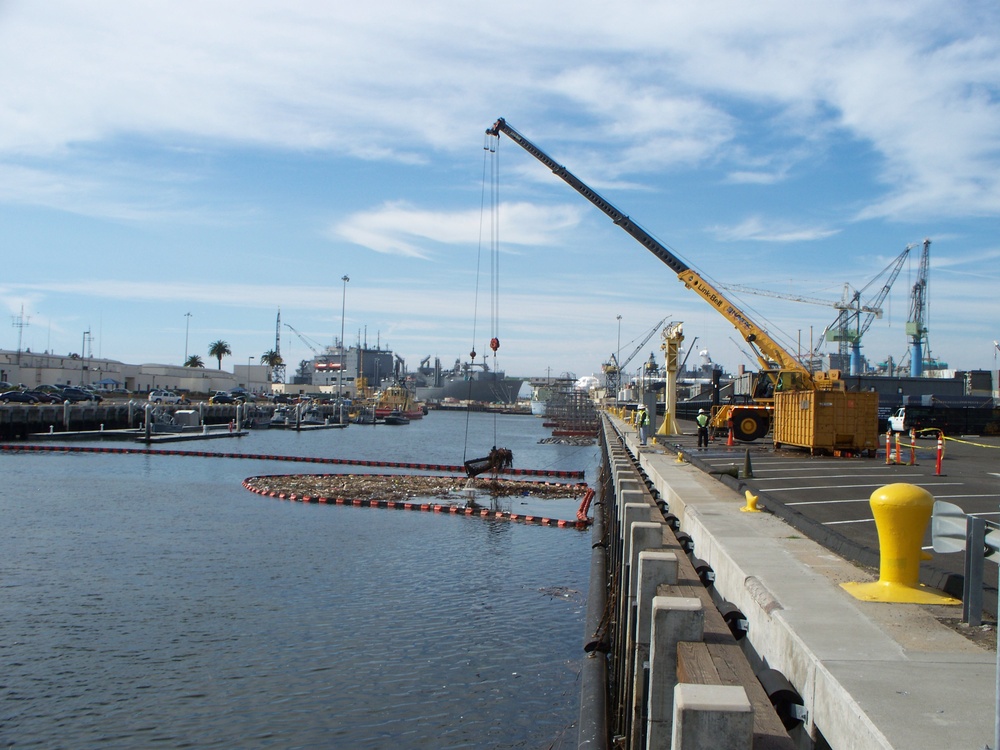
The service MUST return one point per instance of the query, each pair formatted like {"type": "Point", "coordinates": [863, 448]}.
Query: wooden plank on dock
{"type": "Point", "coordinates": [720, 660]}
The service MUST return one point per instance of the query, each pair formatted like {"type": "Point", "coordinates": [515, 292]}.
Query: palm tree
{"type": "Point", "coordinates": [219, 349]}
{"type": "Point", "coordinates": [194, 361]}
{"type": "Point", "coordinates": [271, 358]}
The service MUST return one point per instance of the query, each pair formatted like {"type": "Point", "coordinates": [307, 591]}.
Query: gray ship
{"type": "Point", "coordinates": [466, 382]}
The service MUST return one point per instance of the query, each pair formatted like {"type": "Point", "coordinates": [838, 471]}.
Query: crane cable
{"type": "Point", "coordinates": [490, 173]}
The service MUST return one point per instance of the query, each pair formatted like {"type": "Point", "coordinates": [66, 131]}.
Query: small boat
{"type": "Point", "coordinates": [396, 417]}
{"type": "Point", "coordinates": [311, 416]}
{"type": "Point", "coordinates": [279, 418]}
{"type": "Point", "coordinates": [365, 415]}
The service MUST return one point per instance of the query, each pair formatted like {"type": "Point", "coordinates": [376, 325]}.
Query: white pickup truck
{"type": "Point", "coordinates": [164, 397]}
{"type": "Point", "coordinates": [897, 422]}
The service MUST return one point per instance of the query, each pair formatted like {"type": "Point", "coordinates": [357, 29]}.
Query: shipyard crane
{"type": "Point", "coordinates": [304, 339]}
{"type": "Point", "coordinates": [780, 370]}
{"type": "Point", "coordinates": [613, 371]}
{"type": "Point", "coordinates": [874, 309]}
{"type": "Point", "coordinates": [849, 305]}
{"type": "Point", "coordinates": [687, 354]}
{"type": "Point", "coordinates": [916, 324]}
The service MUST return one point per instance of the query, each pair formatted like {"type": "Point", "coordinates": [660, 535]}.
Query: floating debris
{"type": "Point", "coordinates": [581, 441]}
{"type": "Point", "coordinates": [398, 487]}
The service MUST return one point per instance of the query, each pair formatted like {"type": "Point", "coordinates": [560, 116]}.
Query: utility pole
{"type": "Point", "coordinates": [20, 322]}
{"type": "Point", "coordinates": [343, 307]}
{"type": "Point", "coordinates": [187, 328]}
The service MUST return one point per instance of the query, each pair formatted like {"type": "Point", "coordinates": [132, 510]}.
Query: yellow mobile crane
{"type": "Point", "coordinates": [787, 394]}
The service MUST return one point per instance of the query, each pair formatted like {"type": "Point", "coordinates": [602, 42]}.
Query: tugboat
{"type": "Point", "coordinates": [396, 398]}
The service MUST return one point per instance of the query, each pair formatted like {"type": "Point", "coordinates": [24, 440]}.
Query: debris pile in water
{"type": "Point", "coordinates": [401, 487]}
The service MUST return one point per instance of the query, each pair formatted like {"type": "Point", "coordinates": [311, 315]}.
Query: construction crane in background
{"type": "Point", "coordinates": [847, 329]}
{"type": "Point", "coordinates": [874, 309]}
{"type": "Point", "coordinates": [613, 371]}
{"type": "Point", "coordinates": [688, 354]}
{"type": "Point", "coordinates": [313, 345]}
{"type": "Point", "coordinates": [916, 323]}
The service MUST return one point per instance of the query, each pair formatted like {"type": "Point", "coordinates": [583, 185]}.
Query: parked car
{"type": "Point", "coordinates": [5, 386]}
{"type": "Point", "coordinates": [241, 394]}
{"type": "Point", "coordinates": [221, 397]}
{"type": "Point", "coordinates": [44, 397]}
{"type": "Point", "coordinates": [21, 397]}
{"type": "Point", "coordinates": [77, 395]}
{"type": "Point", "coordinates": [55, 390]}
{"type": "Point", "coordinates": [164, 397]}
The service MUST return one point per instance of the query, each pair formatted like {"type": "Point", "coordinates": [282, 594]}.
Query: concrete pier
{"type": "Point", "coordinates": [817, 668]}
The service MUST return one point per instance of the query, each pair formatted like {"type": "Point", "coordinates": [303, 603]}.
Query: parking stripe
{"type": "Point", "coordinates": [843, 487]}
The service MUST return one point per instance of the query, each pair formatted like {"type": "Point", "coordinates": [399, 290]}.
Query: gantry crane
{"type": "Point", "coordinates": [612, 370]}
{"type": "Point", "coordinates": [780, 370]}
{"type": "Point", "coordinates": [838, 331]}
{"type": "Point", "coordinates": [873, 309]}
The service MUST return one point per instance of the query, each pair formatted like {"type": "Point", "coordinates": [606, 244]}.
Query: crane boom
{"type": "Point", "coordinates": [767, 350]}
{"type": "Point", "coordinates": [649, 334]}
{"type": "Point", "coordinates": [302, 338]}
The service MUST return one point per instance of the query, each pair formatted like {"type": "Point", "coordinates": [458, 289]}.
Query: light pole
{"type": "Point", "coordinates": [187, 328]}
{"type": "Point", "coordinates": [340, 371]}
{"type": "Point", "coordinates": [249, 360]}
{"type": "Point", "coordinates": [618, 360]}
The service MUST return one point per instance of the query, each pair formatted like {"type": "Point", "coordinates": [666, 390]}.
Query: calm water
{"type": "Point", "coordinates": [151, 601]}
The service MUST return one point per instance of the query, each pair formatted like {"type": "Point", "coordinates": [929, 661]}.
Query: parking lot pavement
{"type": "Point", "coordinates": [828, 497]}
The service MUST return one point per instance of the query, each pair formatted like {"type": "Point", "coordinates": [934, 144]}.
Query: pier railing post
{"type": "Point", "coordinates": [655, 567]}
{"type": "Point", "coordinates": [711, 716]}
{"type": "Point", "coordinates": [675, 619]}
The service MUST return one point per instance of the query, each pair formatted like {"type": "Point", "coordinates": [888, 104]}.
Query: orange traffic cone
{"type": "Point", "coordinates": [729, 440]}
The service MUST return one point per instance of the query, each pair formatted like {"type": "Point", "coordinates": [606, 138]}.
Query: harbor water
{"type": "Point", "coordinates": [151, 601]}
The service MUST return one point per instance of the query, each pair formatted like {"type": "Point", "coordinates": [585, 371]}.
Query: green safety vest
{"type": "Point", "coordinates": [702, 420]}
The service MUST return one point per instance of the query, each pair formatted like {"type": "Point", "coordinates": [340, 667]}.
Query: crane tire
{"type": "Point", "coordinates": [749, 425]}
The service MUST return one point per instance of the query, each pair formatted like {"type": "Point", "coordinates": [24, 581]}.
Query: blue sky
{"type": "Point", "coordinates": [232, 158]}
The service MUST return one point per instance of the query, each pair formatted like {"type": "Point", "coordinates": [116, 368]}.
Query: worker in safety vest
{"type": "Point", "coordinates": [702, 420]}
{"type": "Point", "coordinates": [642, 421]}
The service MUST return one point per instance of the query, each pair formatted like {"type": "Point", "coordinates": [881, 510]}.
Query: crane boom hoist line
{"type": "Point", "coordinates": [497, 459]}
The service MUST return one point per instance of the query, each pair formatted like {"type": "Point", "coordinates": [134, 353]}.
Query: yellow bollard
{"type": "Point", "coordinates": [902, 512]}
{"type": "Point", "coordinates": [751, 506]}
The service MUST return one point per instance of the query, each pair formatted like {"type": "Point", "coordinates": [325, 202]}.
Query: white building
{"type": "Point", "coordinates": [31, 369]}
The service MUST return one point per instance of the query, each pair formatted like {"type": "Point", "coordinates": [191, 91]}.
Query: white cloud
{"type": "Point", "coordinates": [756, 229]}
{"type": "Point", "coordinates": [401, 229]}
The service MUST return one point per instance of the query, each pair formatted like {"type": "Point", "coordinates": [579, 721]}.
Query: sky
{"type": "Point", "coordinates": [175, 173]}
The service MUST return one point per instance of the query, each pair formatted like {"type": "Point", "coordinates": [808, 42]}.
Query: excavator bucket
{"type": "Point", "coordinates": [498, 460]}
